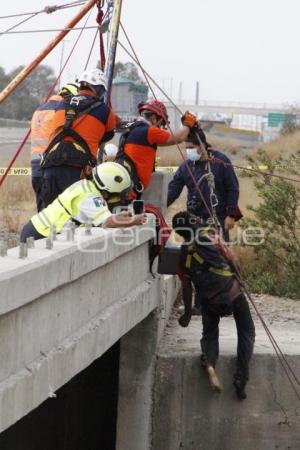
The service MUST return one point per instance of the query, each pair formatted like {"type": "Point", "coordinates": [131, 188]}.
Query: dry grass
{"type": "Point", "coordinates": [285, 145]}
{"type": "Point", "coordinates": [17, 203]}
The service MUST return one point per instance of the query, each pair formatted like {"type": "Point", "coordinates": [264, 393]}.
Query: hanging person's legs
{"type": "Point", "coordinates": [210, 337]}
{"type": "Point", "coordinates": [246, 337]}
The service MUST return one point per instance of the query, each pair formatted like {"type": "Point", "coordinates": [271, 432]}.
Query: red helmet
{"type": "Point", "coordinates": [156, 107]}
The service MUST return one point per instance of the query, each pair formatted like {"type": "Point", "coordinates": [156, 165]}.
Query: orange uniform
{"type": "Point", "coordinates": [93, 127]}
{"type": "Point", "coordinates": [141, 145]}
{"type": "Point", "coordinates": [41, 124]}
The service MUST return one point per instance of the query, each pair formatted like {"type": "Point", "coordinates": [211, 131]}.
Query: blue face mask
{"type": "Point", "coordinates": [192, 154]}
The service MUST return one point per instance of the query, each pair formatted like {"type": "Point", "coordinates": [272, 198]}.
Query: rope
{"type": "Point", "coordinates": [172, 134]}
{"type": "Point", "coordinates": [49, 30]}
{"type": "Point", "coordinates": [285, 365]}
{"type": "Point", "coordinates": [47, 9]}
{"type": "Point", "coordinates": [46, 99]}
{"type": "Point", "coordinates": [92, 47]}
{"type": "Point", "coordinates": [150, 78]}
{"type": "Point", "coordinates": [99, 20]}
{"type": "Point", "coordinates": [15, 26]}
{"type": "Point", "coordinates": [283, 361]}
{"type": "Point", "coordinates": [214, 159]}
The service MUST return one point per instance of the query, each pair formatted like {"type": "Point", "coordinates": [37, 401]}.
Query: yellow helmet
{"type": "Point", "coordinates": [69, 89]}
{"type": "Point", "coordinates": [112, 178]}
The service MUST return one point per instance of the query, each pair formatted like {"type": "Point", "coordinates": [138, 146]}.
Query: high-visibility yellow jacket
{"type": "Point", "coordinates": [81, 201]}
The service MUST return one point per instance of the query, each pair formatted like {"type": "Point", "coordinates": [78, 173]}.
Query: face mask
{"type": "Point", "coordinates": [192, 154]}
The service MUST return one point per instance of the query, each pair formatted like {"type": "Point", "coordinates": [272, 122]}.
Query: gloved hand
{"type": "Point", "coordinates": [189, 119]}
{"type": "Point", "coordinates": [185, 319]}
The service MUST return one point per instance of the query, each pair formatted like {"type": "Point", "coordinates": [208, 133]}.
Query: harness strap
{"type": "Point", "coordinates": [129, 165]}
{"type": "Point", "coordinates": [67, 130]}
{"type": "Point", "coordinates": [225, 272]}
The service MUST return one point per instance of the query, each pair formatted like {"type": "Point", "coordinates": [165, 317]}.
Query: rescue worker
{"type": "Point", "coordinates": [137, 147]}
{"type": "Point", "coordinates": [225, 180]}
{"type": "Point", "coordinates": [85, 202]}
{"type": "Point", "coordinates": [40, 133]}
{"type": "Point", "coordinates": [202, 265]}
{"type": "Point", "coordinates": [79, 126]}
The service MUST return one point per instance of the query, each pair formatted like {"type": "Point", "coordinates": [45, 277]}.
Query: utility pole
{"type": "Point", "coordinates": [61, 61]}
{"type": "Point", "coordinates": [180, 93]}
{"type": "Point", "coordinates": [197, 93]}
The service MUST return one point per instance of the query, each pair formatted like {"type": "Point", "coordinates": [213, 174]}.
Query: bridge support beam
{"type": "Point", "coordinates": [137, 371]}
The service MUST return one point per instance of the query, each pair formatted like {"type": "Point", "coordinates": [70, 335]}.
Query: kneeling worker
{"type": "Point", "coordinates": [203, 265]}
{"type": "Point", "coordinates": [86, 202]}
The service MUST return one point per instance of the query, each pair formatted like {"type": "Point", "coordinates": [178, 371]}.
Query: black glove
{"type": "Point", "coordinates": [185, 319]}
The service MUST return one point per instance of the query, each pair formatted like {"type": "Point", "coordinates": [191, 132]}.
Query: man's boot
{"type": "Point", "coordinates": [240, 389]}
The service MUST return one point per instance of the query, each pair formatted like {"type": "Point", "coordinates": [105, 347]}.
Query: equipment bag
{"type": "Point", "coordinates": [163, 232]}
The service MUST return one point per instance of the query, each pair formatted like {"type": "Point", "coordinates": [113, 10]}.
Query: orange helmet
{"type": "Point", "coordinates": [156, 107]}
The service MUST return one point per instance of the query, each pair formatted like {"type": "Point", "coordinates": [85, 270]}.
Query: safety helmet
{"type": "Point", "coordinates": [156, 107]}
{"type": "Point", "coordinates": [94, 77]}
{"type": "Point", "coordinates": [110, 150]}
{"type": "Point", "coordinates": [112, 178]}
{"type": "Point", "coordinates": [69, 89]}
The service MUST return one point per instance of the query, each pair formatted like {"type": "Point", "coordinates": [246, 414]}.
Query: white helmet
{"type": "Point", "coordinates": [95, 77]}
{"type": "Point", "coordinates": [111, 150]}
{"type": "Point", "coordinates": [112, 177]}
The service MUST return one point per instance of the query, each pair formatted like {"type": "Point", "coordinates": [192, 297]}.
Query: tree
{"type": "Point", "coordinates": [127, 70]}
{"type": "Point", "coordinates": [276, 267]}
{"type": "Point", "coordinates": [29, 95]}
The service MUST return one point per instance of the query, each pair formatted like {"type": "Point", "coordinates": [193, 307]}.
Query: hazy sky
{"type": "Point", "coordinates": [238, 50]}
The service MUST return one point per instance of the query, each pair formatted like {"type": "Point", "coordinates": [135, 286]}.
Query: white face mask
{"type": "Point", "coordinates": [192, 154]}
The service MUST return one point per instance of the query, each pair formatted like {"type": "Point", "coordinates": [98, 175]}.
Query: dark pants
{"type": "Point", "coordinates": [37, 183]}
{"type": "Point", "coordinates": [225, 235]}
{"type": "Point", "coordinates": [29, 231]}
{"type": "Point", "coordinates": [56, 180]}
{"type": "Point", "coordinates": [245, 331]}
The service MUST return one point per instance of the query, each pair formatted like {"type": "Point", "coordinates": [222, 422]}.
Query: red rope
{"type": "Point", "coordinates": [46, 99]}
{"type": "Point", "coordinates": [214, 159]}
{"type": "Point", "coordinates": [99, 19]}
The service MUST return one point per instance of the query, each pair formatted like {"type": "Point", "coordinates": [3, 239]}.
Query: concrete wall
{"type": "Point", "coordinates": [157, 192]}
{"type": "Point", "coordinates": [137, 373]}
{"type": "Point", "coordinates": [189, 416]}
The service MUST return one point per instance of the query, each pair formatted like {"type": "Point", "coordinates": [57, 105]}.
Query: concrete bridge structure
{"type": "Point", "coordinates": [62, 309]}
{"type": "Point", "coordinates": [229, 108]}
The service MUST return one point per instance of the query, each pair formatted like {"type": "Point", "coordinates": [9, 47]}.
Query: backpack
{"type": "Point", "coordinates": [163, 232]}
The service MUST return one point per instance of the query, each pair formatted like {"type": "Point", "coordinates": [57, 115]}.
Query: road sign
{"type": "Point", "coordinates": [275, 120]}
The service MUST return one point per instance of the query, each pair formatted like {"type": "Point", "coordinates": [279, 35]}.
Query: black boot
{"type": "Point", "coordinates": [240, 389]}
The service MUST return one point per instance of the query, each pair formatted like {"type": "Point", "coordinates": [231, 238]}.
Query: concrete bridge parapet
{"type": "Point", "coordinates": [61, 309]}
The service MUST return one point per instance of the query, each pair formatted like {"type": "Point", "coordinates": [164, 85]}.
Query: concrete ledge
{"type": "Point", "coordinates": [29, 387]}
{"type": "Point", "coordinates": [24, 280]}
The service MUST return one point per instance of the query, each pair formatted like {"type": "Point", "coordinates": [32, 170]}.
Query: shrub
{"type": "Point", "coordinates": [277, 260]}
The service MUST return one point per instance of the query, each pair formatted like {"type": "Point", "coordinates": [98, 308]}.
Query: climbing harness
{"type": "Point", "coordinates": [63, 152]}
